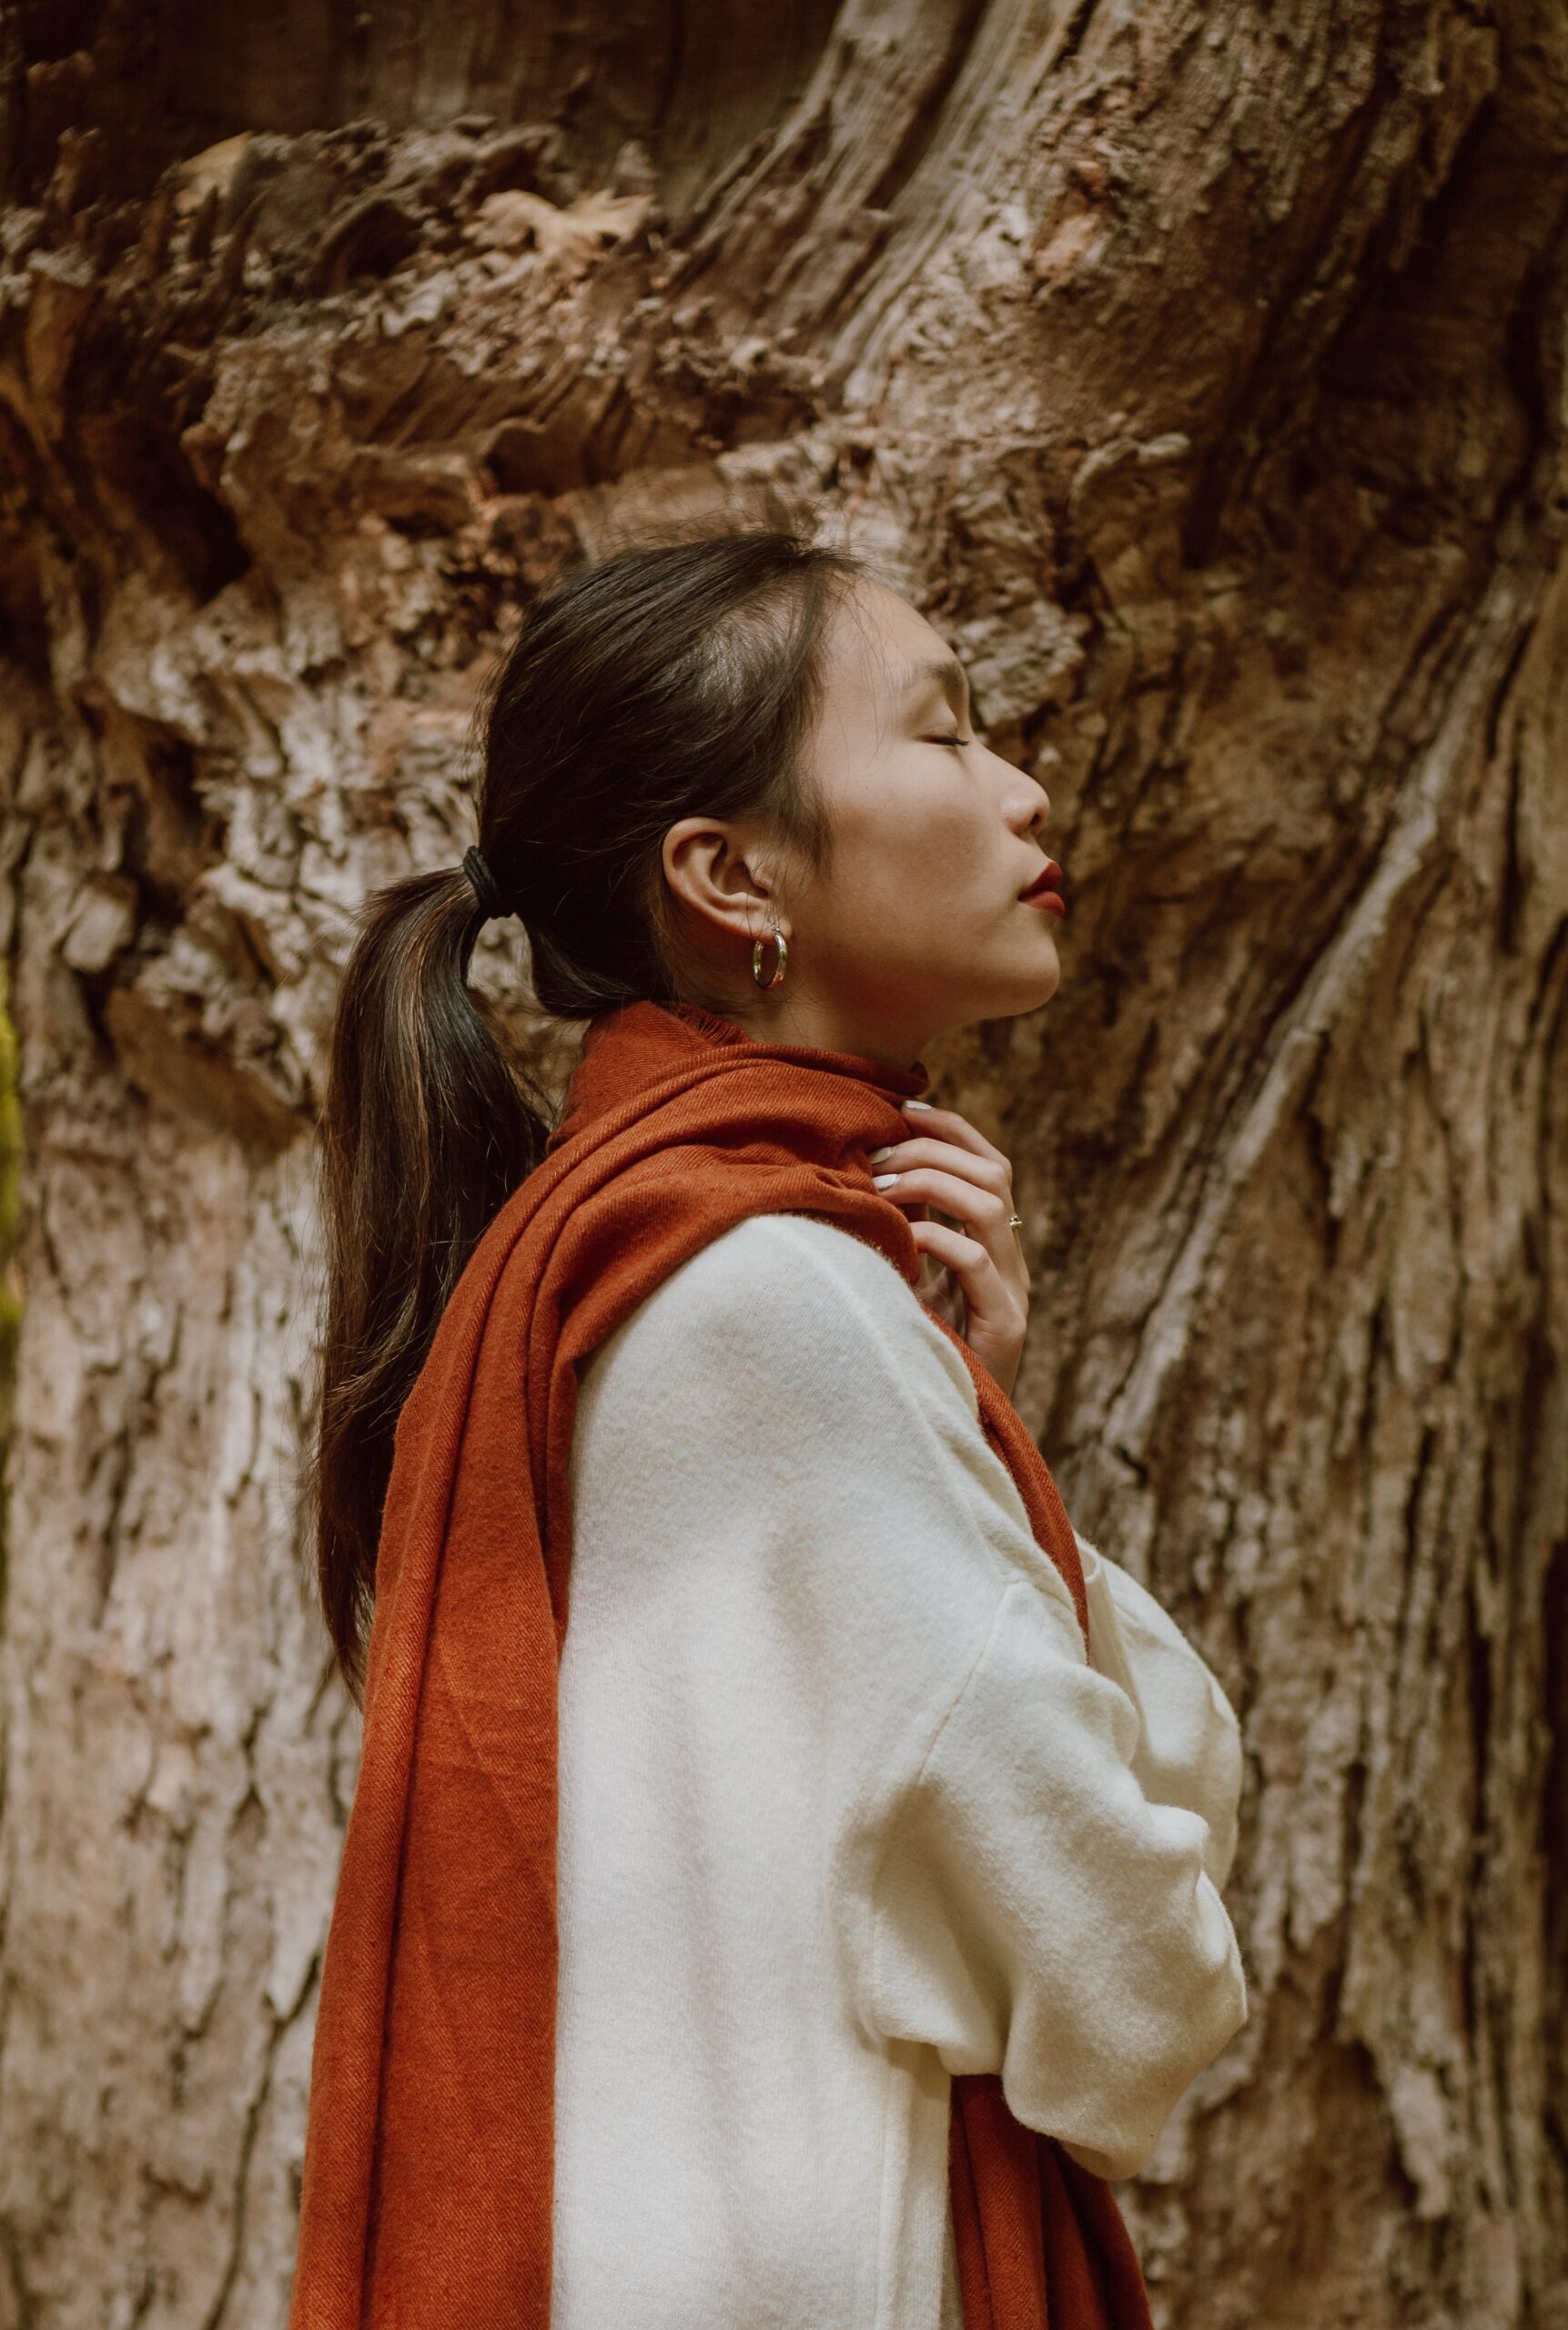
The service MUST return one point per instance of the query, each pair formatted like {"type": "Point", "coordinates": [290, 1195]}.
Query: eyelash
{"type": "Point", "coordinates": [947, 740]}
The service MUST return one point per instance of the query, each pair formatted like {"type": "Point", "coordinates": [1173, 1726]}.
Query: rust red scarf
{"type": "Point", "coordinates": [429, 2160]}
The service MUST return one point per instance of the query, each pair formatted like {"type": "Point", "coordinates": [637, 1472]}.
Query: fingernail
{"type": "Point", "coordinates": [883, 1181]}
{"type": "Point", "coordinates": [918, 1104]}
{"type": "Point", "coordinates": [886, 1151]}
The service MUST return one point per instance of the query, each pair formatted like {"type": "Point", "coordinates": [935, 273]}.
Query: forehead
{"type": "Point", "coordinates": [885, 645]}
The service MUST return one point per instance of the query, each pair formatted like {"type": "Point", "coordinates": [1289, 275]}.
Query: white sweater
{"type": "Point", "coordinates": [845, 1811]}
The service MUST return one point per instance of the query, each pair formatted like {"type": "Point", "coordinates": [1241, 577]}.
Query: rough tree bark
{"type": "Point", "coordinates": [1200, 369]}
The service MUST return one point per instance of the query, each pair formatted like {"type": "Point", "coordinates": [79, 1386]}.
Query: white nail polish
{"type": "Point", "coordinates": [883, 1181]}
{"type": "Point", "coordinates": [886, 1151]}
{"type": "Point", "coordinates": [919, 1104]}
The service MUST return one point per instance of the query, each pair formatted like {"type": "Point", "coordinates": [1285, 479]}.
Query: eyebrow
{"type": "Point", "coordinates": [943, 671]}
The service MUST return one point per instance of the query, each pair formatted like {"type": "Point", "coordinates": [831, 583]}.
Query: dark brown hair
{"type": "Point", "coordinates": [661, 683]}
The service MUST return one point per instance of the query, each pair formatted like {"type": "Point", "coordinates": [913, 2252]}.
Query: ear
{"type": "Point", "coordinates": [721, 874]}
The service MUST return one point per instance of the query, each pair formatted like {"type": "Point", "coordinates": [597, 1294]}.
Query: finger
{"type": "Point", "coordinates": [940, 1290]}
{"type": "Point", "coordinates": [986, 1207]}
{"type": "Point", "coordinates": [987, 1172]}
{"type": "Point", "coordinates": [985, 1292]}
{"type": "Point", "coordinates": [950, 1125]}
{"type": "Point", "coordinates": [995, 1316]}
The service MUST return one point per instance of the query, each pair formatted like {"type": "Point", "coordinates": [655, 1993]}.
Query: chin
{"type": "Point", "coordinates": [1044, 977]}
{"type": "Point", "coordinates": [1010, 989]}
{"type": "Point", "coordinates": [1041, 988]}
{"type": "Point", "coordinates": [1012, 1001]}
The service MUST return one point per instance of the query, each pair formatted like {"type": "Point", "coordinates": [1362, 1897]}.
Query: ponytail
{"type": "Point", "coordinates": [428, 1124]}
{"type": "Point", "coordinates": [655, 685]}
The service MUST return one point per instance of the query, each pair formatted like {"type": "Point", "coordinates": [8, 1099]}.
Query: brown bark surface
{"type": "Point", "coordinates": [1200, 369]}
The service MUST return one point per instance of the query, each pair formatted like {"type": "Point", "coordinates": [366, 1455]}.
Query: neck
{"type": "Point", "coordinates": [816, 1024]}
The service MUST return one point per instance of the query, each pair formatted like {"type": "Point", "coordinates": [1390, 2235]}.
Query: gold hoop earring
{"type": "Point", "coordinates": [757, 946]}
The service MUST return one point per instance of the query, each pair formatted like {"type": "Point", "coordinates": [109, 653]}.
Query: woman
{"type": "Point", "coordinates": [799, 1934]}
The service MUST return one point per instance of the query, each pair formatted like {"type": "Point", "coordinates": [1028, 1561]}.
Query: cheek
{"type": "Point", "coordinates": [910, 839]}
{"type": "Point", "coordinates": [938, 857]}
{"type": "Point", "coordinates": [890, 869]}
{"type": "Point", "coordinates": [908, 830]}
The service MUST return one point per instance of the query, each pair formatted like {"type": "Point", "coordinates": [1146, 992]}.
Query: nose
{"type": "Point", "coordinates": [1027, 803]}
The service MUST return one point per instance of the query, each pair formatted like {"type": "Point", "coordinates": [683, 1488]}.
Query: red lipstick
{"type": "Point", "coordinates": [1044, 890]}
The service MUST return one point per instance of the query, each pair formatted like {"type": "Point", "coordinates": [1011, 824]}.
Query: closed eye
{"type": "Point", "coordinates": [946, 740]}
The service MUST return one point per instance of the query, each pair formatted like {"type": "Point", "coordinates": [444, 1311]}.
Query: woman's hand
{"type": "Point", "coordinates": [985, 1290]}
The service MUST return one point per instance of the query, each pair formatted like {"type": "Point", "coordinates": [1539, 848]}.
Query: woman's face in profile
{"type": "Point", "coordinates": [918, 923]}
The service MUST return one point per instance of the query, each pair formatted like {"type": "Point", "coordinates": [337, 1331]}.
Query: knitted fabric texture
{"type": "Point", "coordinates": [428, 2167]}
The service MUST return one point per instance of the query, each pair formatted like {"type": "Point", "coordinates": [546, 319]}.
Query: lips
{"type": "Point", "coordinates": [1048, 879]}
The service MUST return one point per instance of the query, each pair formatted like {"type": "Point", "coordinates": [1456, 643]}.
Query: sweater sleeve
{"type": "Point", "coordinates": [1034, 1913]}
{"type": "Point", "coordinates": [1037, 1889]}
{"type": "Point", "coordinates": [1190, 1743]}
{"type": "Point", "coordinates": [1019, 1859]}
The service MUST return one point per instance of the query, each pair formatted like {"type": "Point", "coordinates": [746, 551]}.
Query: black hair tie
{"type": "Point", "coordinates": [486, 888]}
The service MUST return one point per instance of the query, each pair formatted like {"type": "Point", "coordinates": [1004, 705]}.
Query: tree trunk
{"type": "Point", "coordinates": [1200, 371]}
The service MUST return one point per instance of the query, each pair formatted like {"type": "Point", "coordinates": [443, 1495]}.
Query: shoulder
{"type": "Point", "coordinates": [787, 1379]}
{"type": "Point", "coordinates": [779, 1293]}
{"type": "Point", "coordinates": [803, 1258]}
{"type": "Point", "coordinates": [788, 1345]}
